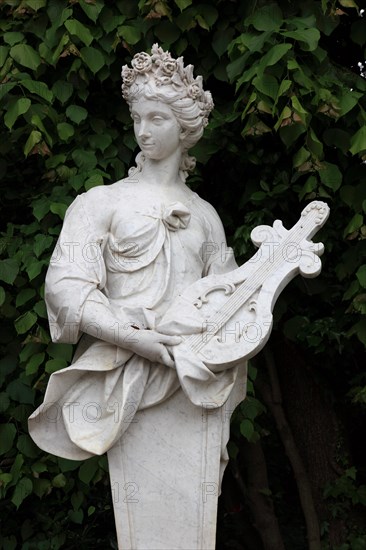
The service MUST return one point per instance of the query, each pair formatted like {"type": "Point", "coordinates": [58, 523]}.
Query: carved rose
{"type": "Point", "coordinates": [194, 91]}
{"type": "Point", "coordinates": [128, 75]}
{"type": "Point", "coordinates": [168, 66]}
{"type": "Point", "coordinates": [141, 62]}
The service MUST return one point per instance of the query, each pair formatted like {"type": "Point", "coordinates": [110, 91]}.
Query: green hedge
{"type": "Point", "coordinates": [288, 127]}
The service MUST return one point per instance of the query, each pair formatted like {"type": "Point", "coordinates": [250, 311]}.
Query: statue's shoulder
{"type": "Point", "coordinates": [205, 208]}
{"type": "Point", "coordinates": [98, 201]}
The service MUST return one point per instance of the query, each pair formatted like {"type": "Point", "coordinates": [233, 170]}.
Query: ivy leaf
{"type": "Point", "coordinates": [24, 296]}
{"type": "Point", "coordinates": [54, 365]}
{"type": "Point", "coordinates": [131, 34]}
{"type": "Point", "coordinates": [221, 40]}
{"type": "Point", "coordinates": [62, 90]}
{"type": "Point", "coordinates": [34, 137]}
{"type": "Point", "coordinates": [76, 114]}
{"type": "Point", "coordinates": [100, 141]}
{"type": "Point", "coordinates": [13, 37]}
{"type": "Point", "coordinates": [65, 130]}
{"type": "Point", "coordinates": [93, 181]}
{"type": "Point", "coordinates": [93, 58]}
{"type": "Point", "coordinates": [355, 224]}
{"type": "Point", "coordinates": [183, 4]}
{"type": "Point", "coordinates": [77, 499]}
{"type": "Point", "coordinates": [266, 84]}
{"type": "Point", "coordinates": [22, 489]}
{"type": "Point", "coordinates": [274, 55]}
{"type": "Point", "coordinates": [84, 159]}
{"type": "Point", "coordinates": [8, 270]}
{"type": "Point", "coordinates": [7, 435]}
{"type": "Point", "coordinates": [300, 157]}
{"type": "Point", "coordinates": [76, 516]}
{"type": "Point", "coordinates": [59, 208]}
{"type": "Point", "coordinates": [39, 88]}
{"type": "Point", "coordinates": [25, 55]}
{"type": "Point", "coordinates": [360, 330]}
{"type": "Point", "coordinates": [247, 428]}
{"type": "Point", "coordinates": [17, 108]}
{"type": "Point", "coordinates": [25, 322]}
{"type": "Point", "coordinates": [309, 38]}
{"type": "Point", "coordinates": [268, 18]}
{"type": "Point", "coordinates": [59, 481]}
{"type": "Point", "coordinates": [348, 101]}
{"type": "Point", "coordinates": [358, 32]}
{"type": "Point", "coordinates": [358, 141]}
{"type": "Point", "coordinates": [5, 88]}
{"type": "Point", "coordinates": [42, 243]}
{"type": "Point", "coordinates": [26, 446]}
{"type": "Point", "coordinates": [4, 50]}
{"type": "Point", "coordinates": [167, 32]}
{"type": "Point", "coordinates": [78, 29]}
{"type": "Point", "coordinates": [330, 176]}
{"type": "Point", "coordinates": [88, 470]}
{"type": "Point", "coordinates": [41, 208]}
{"type": "Point", "coordinates": [348, 4]}
{"type": "Point", "coordinates": [92, 9]}
{"type": "Point", "coordinates": [60, 351]}
{"type": "Point", "coordinates": [209, 14]}
{"type": "Point", "coordinates": [361, 275]}
{"type": "Point", "coordinates": [34, 269]}
{"type": "Point", "coordinates": [35, 5]}
{"type": "Point", "coordinates": [42, 487]}
{"type": "Point", "coordinates": [20, 392]}
{"type": "Point", "coordinates": [34, 362]}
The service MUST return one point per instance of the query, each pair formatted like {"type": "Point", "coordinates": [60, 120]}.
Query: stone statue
{"type": "Point", "coordinates": [141, 387]}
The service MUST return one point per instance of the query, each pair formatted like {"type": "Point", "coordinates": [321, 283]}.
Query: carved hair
{"type": "Point", "coordinates": [158, 76]}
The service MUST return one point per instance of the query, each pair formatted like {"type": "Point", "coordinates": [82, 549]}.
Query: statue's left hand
{"type": "Point", "coordinates": [153, 345]}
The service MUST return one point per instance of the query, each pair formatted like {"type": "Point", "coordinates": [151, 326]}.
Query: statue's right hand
{"type": "Point", "coordinates": [153, 345]}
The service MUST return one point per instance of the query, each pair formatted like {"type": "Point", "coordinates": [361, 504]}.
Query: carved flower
{"type": "Point", "coordinates": [194, 91]}
{"type": "Point", "coordinates": [176, 216]}
{"type": "Point", "coordinates": [168, 66]}
{"type": "Point", "coordinates": [128, 75]}
{"type": "Point", "coordinates": [141, 62]}
{"type": "Point", "coordinates": [209, 104]}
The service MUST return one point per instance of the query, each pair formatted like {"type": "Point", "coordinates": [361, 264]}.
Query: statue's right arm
{"type": "Point", "coordinates": [76, 277]}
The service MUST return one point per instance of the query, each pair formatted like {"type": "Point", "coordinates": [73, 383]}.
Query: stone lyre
{"type": "Point", "coordinates": [230, 315]}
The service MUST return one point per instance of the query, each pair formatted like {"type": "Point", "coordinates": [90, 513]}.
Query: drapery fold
{"type": "Point", "coordinates": [136, 267]}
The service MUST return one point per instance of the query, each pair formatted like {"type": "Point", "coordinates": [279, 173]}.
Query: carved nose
{"type": "Point", "coordinates": [143, 131]}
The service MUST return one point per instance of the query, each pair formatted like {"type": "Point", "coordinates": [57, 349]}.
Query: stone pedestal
{"type": "Point", "coordinates": [166, 474]}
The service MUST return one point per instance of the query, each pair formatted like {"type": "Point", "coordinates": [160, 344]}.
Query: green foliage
{"type": "Point", "coordinates": [289, 119]}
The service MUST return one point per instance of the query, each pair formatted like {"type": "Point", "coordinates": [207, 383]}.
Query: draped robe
{"type": "Point", "coordinates": [135, 255]}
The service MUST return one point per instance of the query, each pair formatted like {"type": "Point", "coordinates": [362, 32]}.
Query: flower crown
{"type": "Point", "coordinates": [164, 71]}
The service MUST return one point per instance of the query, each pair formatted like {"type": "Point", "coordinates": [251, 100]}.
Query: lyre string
{"type": "Point", "coordinates": [242, 294]}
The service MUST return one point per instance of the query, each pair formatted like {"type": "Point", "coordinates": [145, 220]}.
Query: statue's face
{"type": "Point", "coordinates": [157, 131]}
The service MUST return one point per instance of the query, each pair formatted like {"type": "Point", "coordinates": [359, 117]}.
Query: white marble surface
{"type": "Point", "coordinates": [141, 385]}
{"type": "Point", "coordinates": [125, 252]}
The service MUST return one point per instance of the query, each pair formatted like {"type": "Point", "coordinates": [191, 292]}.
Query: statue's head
{"type": "Point", "coordinates": [160, 77]}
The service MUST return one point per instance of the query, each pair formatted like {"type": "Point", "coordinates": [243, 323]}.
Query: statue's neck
{"type": "Point", "coordinates": [162, 173]}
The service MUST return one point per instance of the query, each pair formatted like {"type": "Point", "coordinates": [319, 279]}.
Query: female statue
{"type": "Point", "coordinates": [125, 252]}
